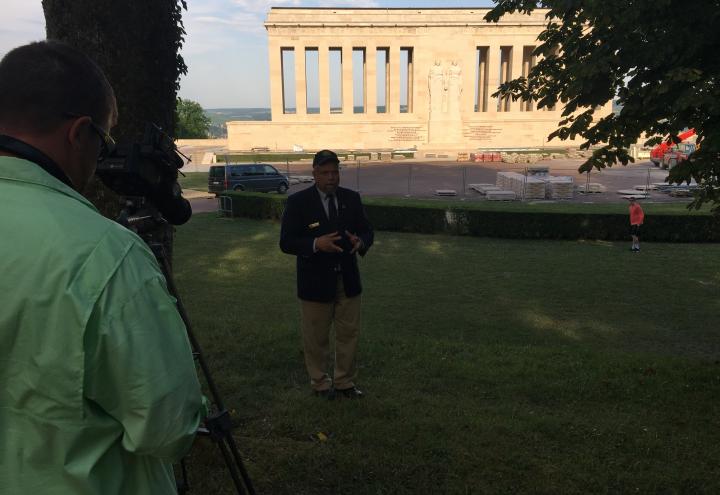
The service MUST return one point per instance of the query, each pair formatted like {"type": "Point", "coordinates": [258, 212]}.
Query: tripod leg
{"type": "Point", "coordinates": [220, 427]}
{"type": "Point", "coordinates": [239, 463]}
{"type": "Point", "coordinates": [228, 461]}
{"type": "Point", "coordinates": [182, 485]}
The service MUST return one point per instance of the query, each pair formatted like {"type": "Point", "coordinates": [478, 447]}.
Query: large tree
{"type": "Point", "coordinates": [192, 123]}
{"type": "Point", "coordinates": [657, 58]}
{"type": "Point", "coordinates": [136, 43]}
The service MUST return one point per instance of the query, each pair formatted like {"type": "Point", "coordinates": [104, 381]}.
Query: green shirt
{"type": "Point", "coordinates": [98, 389]}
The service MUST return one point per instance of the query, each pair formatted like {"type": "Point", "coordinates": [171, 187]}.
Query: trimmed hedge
{"type": "Point", "coordinates": [256, 205]}
{"type": "Point", "coordinates": [437, 219]}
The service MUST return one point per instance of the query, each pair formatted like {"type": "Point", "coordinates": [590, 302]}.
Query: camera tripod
{"type": "Point", "coordinates": [148, 223]}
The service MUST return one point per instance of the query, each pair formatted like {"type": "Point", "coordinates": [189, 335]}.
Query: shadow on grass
{"type": "Point", "coordinates": [490, 365]}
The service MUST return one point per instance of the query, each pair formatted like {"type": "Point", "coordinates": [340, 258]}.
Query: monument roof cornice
{"type": "Point", "coordinates": [344, 17]}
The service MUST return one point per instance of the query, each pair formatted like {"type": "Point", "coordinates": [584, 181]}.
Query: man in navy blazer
{"type": "Point", "coordinates": [325, 226]}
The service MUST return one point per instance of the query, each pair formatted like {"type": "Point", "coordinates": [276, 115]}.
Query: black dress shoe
{"type": "Point", "coordinates": [350, 393]}
{"type": "Point", "coordinates": [328, 393]}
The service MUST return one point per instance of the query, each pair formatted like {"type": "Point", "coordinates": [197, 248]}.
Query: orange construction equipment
{"type": "Point", "coordinates": [658, 152]}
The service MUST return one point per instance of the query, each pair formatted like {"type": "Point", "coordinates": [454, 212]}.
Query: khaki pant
{"type": "Point", "coordinates": [344, 314]}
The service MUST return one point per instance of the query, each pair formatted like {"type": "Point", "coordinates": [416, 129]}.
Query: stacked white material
{"type": "Point", "coordinates": [506, 180]}
{"type": "Point", "coordinates": [560, 187]}
{"type": "Point", "coordinates": [592, 187]}
{"type": "Point", "coordinates": [523, 186]}
{"type": "Point", "coordinates": [534, 188]}
{"type": "Point", "coordinates": [539, 171]}
{"type": "Point", "coordinates": [501, 179]}
{"type": "Point", "coordinates": [501, 195]}
{"type": "Point", "coordinates": [510, 181]}
{"type": "Point", "coordinates": [445, 192]}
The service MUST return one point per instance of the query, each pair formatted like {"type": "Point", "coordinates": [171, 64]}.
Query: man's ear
{"type": "Point", "coordinates": [77, 131]}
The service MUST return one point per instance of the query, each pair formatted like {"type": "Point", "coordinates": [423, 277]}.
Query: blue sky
{"type": "Point", "coordinates": [226, 44]}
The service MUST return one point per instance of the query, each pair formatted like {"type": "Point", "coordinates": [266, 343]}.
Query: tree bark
{"type": "Point", "coordinates": [136, 43]}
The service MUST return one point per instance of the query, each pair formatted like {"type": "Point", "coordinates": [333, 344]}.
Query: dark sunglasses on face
{"type": "Point", "coordinates": [107, 143]}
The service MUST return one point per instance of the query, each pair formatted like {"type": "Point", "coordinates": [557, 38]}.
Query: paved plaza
{"type": "Point", "coordinates": [421, 179]}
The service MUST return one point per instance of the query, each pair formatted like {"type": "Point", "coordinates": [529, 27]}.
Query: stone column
{"type": "Point", "coordinates": [276, 81]}
{"type": "Point", "coordinates": [505, 66]}
{"type": "Point", "coordinates": [300, 81]}
{"type": "Point", "coordinates": [393, 89]}
{"type": "Point", "coordinates": [526, 106]}
{"type": "Point", "coordinates": [411, 81]}
{"type": "Point", "coordinates": [469, 73]}
{"type": "Point", "coordinates": [324, 78]}
{"type": "Point", "coordinates": [386, 103]}
{"type": "Point", "coordinates": [371, 79]}
{"type": "Point", "coordinates": [481, 81]}
{"type": "Point", "coordinates": [347, 80]}
{"type": "Point", "coordinates": [493, 77]}
{"type": "Point", "coordinates": [517, 71]}
{"type": "Point", "coordinates": [527, 67]}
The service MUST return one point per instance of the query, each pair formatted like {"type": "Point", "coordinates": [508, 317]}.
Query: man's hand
{"type": "Point", "coordinates": [326, 243]}
{"type": "Point", "coordinates": [356, 242]}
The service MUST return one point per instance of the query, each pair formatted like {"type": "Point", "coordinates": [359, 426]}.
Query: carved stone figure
{"type": "Point", "coordinates": [454, 87]}
{"type": "Point", "coordinates": [436, 87]}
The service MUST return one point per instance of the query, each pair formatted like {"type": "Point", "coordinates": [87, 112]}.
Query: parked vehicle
{"type": "Point", "coordinates": [658, 152]}
{"type": "Point", "coordinates": [251, 177]}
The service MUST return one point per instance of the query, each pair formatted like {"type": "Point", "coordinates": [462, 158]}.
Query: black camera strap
{"type": "Point", "coordinates": [34, 155]}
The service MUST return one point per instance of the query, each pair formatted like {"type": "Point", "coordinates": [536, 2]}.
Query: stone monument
{"type": "Point", "coordinates": [464, 58]}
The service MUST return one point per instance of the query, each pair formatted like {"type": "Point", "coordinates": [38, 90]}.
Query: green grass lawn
{"type": "Point", "coordinates": [490, 366]}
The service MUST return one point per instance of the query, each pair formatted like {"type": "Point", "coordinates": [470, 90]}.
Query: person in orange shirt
{"type": "Point", "coordinates": [636, 220]}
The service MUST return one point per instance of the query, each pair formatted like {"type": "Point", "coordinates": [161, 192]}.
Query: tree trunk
{"type": "Point", "coordinates": [136, 44]}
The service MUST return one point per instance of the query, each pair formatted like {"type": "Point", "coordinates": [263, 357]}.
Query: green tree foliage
{"type": "Point", "coordinates": [191, 121]}
{"type": "Point", "coordinates": [658, 58]}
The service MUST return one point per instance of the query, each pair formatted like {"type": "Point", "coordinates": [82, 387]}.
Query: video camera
{"type": "Point", "coordinates": [147, 172]}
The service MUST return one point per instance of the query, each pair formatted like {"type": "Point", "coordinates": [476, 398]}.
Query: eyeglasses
{"type": "Point", "coordinates": [107, 143]}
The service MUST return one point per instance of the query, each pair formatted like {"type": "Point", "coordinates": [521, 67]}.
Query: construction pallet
{"type": "Point", "coordinates": [501, 195]}
{"type": "Point", "coordinates": [483, 188]}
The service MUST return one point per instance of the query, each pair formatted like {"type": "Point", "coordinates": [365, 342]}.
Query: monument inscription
{"type": "Point", "coordinates": [481, 132]}
{"type": "Point", "coordinates": [406, 134]}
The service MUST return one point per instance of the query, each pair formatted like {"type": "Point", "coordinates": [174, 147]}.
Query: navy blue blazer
{"type": "Point", "coordinates": [303, 220]}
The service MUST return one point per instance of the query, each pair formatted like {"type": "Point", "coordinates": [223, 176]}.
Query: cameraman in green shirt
{"type": "Point", "coordinates": [98, 389]}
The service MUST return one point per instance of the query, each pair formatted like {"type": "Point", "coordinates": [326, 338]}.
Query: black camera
{"type": "Point", "coordinates": [344, 241]}
{"type": "Point", "coordinates": [148, 170]}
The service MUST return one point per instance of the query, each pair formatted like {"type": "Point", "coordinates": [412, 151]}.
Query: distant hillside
{"type": "Point", "coordinates": [219, 116]}
{"type": "Point", "coordinates": [222, 115]}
